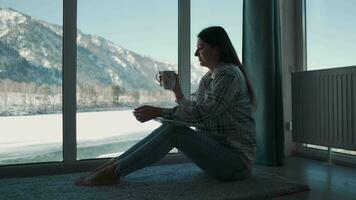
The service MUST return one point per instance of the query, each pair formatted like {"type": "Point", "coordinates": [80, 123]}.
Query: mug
{"type": "Point", "coordinates": [166, 79]}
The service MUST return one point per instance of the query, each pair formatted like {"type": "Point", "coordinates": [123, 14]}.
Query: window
{"type": "Point", "coordinates": [30, 81]}
{"type": "Point", "coordinates": [330, 33]}
{"type": "Point", "coordinates": [330, 37]}
{"type": "Point", "coordinates": [230, 18]}
{"type": "Point", "coordinates": [121, 45]}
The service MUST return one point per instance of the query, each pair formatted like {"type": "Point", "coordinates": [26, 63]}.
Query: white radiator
{"type": "Point", "coordinates": [323, 106]}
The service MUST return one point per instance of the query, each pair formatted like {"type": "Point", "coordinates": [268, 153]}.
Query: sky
{"type": "Point", "coordinates": [150, 27]}
{"type": "Point", "coordinates": [331, 33]}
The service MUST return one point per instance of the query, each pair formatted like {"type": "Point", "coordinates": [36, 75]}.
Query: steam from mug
{"type": "Point", "coordinates": [166, 79]}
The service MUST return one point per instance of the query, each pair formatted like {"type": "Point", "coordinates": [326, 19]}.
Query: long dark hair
{"type": "Point", "coordinates": [216, 36]}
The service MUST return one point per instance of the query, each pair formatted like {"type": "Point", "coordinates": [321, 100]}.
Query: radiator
{"type": "Point", "coordinates": [323, 107]}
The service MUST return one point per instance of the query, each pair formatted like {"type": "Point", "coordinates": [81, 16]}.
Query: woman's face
{"type": "Point", "coordinates": [207, 55]}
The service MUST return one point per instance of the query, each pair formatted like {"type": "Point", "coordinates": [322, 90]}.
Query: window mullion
{"type": "Point", "coordinates": [184, 45]}
{"type": "Point", "coordinates": [301, 39]}
{"type": "Point", "coordinates": [69, 80]}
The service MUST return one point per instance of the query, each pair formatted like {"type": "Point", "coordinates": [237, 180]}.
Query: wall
{"type": "Point", "coordinates": [292, 60]}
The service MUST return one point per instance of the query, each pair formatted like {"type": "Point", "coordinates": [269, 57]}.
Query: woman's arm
{"type": "Point", "coordinates": [146, 113]}
{"type": "Point", "coordinates": [178, 93]}
{"type": "Point", "coordinates": [177, 90]}
{"type": "Point", "coordinates": [219, 98]}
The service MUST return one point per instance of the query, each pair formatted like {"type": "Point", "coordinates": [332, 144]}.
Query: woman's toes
{"type": "Point", "coordinates": [104, 176]}
{"type": "Point", "coordinates": [80, 180]}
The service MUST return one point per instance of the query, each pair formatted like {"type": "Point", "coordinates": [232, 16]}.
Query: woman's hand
{"type": "Point", "coordinates": [145, 113]}
{"type": "Point", "coordinates": [177, 89]}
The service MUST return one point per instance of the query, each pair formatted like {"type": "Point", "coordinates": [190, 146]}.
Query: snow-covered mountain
{"type": "Point", "coordinates": [14, 67]}
{"type": "Point", "coordinates": [31, 51]}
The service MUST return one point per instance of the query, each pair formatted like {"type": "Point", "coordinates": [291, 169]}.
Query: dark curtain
{"type": "Point", "coordinates": [261, 57]}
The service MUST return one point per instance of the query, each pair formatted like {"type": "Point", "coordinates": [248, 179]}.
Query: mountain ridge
{"type": "Point", "coordinates": [99, 61]}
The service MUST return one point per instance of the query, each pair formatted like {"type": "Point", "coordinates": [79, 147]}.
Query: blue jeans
{"type": "Point", "coordinates": [207, 153]}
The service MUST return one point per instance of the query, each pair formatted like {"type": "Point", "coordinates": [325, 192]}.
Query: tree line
{"type": "Point", "coordinates": [20, 98]}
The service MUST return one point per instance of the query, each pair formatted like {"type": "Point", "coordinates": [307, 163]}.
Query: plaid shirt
{"type": "Point", "coordinates": [222, 110]}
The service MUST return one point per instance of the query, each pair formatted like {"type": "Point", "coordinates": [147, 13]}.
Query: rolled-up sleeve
{"type": "Point", "coordinates": [218, 98]}
{"type": "Point", "coordinates": [168, 112]}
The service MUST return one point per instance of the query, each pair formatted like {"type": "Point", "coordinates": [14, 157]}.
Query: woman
{"type": "Point", "coordinates": [223, 145]}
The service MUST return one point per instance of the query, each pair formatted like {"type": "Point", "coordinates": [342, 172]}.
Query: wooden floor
{"type": "Point", "coordinates": [326, 182]}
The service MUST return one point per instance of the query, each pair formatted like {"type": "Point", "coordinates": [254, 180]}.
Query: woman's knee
{"type": "Point", "coordinates": [176, 129]}
{"type": "Point", "coordinates": [178, 134]}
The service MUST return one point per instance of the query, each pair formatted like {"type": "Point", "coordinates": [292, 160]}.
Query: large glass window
{"type": "Point", "coordinates": [121, 45]}
{"type": "Point", "coordinates": [203, 14]}
{"type": "Point", "coordinates": [330, 31]}
{"type": "Point", "coordinates": [30, 81]}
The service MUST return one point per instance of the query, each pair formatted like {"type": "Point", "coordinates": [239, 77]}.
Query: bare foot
{"type": "Point", "coordinates": [110, 162]}
{"type": "Point", "coordinates": [104, 176]}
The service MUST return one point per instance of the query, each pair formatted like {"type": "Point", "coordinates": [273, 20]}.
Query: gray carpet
{"type": "Point", "coordinates": [167, 182]}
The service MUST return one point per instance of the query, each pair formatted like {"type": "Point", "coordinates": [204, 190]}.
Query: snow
{"type": "Point", "coordinates": [115, 47]}
{"type": "Point", "coordinates": [81, 40]}
{"type": "Point", "coordinates": [116, 59]}
{"type": "Point", "coordinates": [118, 48]}
{"type": "Point", "coordinates": [9, 18]}
{"type": "Point", "coordinates": [21, 132]}
{"type": "Point", "coordinates": [55, 28]}
{"type": "Point", "coordinates": [24, 52]}
{"type": "Point", "coordinates": [45, 63]}
{"type": "Point", "coordinates": [29, 55]}
{"type": "Point", "coordinates": [79, 37]}
{"type": "Point", "coordinates": [95, 40]}
{"type": "Point", "coordinates": [110, 155]}
{"type": "Point", "coordinates": [3, 31]}
{"type": "Point", "coordinates": [130, 58]}
{"type": "Point", "coordinates": [114, 77]}
{"type": "Point", "coordinates": [112, 123]}
{"type": "Point", "coordinates": [155, 66]}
